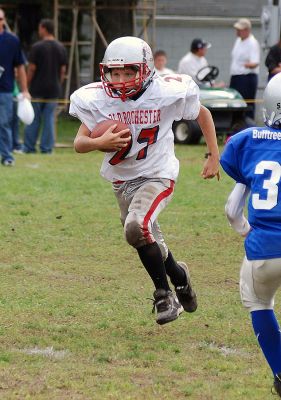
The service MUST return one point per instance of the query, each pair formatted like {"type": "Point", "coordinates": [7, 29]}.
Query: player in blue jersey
{"type": "Point", "coordinates": [253, 159]}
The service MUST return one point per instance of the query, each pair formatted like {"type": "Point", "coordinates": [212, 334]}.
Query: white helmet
{"type": "Point", "coordinates": [272, 102]}
{"type": "Point", "coordinates": [132, 52]}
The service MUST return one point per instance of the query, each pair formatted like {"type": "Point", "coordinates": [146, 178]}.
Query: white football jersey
{"type": "Point", "coordinates": [151, 150]}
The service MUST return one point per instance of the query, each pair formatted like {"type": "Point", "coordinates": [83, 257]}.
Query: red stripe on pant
{"type": "Point", "coordinates": [153, 207]}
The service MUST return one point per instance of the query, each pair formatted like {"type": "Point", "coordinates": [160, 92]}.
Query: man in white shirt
{"type": "Point", "coordinates": [194, 60]}
{"type": "Point", "coordinates": [245, 59]}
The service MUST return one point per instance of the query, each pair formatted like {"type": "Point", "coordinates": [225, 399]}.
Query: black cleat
{"type": "Point", "coordinates": [186, 295]}
{"type": "Point", "coordinates": [277, 384]}
{"type": "Point", "coordinates": [166, 305]}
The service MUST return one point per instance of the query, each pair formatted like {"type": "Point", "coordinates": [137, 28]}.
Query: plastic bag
{"type": "Point", "coordinates": [25, 110]}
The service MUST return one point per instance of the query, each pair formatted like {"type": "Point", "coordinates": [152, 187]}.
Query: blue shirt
{"type": "Point", "coordinates": [10, 57]}
{"type": "Point", "coordinates": [253, 157]}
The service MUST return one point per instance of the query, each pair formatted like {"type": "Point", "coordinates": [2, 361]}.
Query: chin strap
{"type": "Point", "coordinates": [138, 95]}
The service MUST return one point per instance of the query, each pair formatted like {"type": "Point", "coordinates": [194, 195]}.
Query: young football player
{"type": "Point", "coordinates": [144, 169]}
{"type": "Point", "coordinates": [253, 159]}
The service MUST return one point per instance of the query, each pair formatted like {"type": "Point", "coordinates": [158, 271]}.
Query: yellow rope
{"type": "Point", "coordinates": [59, 101]}
{"type": "Point", "coordinates": [229, 101]}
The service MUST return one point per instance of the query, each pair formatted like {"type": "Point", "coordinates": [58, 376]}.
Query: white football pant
{"type": "Point", "coordinates": [259, 281]}
{"type": "Point", "coordinates": [141, 201]}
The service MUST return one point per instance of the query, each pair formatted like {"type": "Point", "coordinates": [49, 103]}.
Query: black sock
{"type": "Point", "coordinates": [152, 259]}
{"type": "Point", "coordinates": [174, 271]}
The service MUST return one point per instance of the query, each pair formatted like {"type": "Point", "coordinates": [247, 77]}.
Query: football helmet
{"type": "Point", "coordinates": [272, 102]}
{"type": "Point", "coordinates": [127, 51]}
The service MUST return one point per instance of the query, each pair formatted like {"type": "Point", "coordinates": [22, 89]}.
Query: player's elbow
{"type": "Point", "coordinates": [78, 146]}
{"type": "Point", "coordinates": [230, 212]}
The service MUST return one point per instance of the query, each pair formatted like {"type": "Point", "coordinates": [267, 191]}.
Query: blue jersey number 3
{"type": "Point", "coordinates": [269, 184]}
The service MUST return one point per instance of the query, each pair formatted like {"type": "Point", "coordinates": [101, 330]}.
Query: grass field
{"type": "Point", "coordinates": [76, 320]}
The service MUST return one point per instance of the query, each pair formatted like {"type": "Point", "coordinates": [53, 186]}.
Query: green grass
{"type": "Point", "coordinates": [75, 316]}
{"type": "Point", "coordinates": [66, 128]}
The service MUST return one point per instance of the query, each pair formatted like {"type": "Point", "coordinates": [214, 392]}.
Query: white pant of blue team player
{"type": "Point", "coordinates": [259, 281]}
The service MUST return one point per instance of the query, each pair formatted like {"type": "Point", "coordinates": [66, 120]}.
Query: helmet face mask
{"type": "Point", "coordinates": [129, 53]}
{"type": "Point", "coordinates": [123, 89]}
{"type": "Point", "coordinates": [272, 103]}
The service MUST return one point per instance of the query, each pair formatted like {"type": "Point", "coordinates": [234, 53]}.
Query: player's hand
{"type": "Point", "coordinates": [26, 94]}
{"type": "Point", "coordinates": [211, 168]}
{"type": "Point", "coordinates": [113, 141]}
{"type": "Point", "coordinates": [245, 234]}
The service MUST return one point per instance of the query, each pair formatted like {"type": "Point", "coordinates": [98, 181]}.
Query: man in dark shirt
{"type": "Point", "coordinates": [45, 75]}
{"type": "Point", "coordinates": [11, 60]}
{"type": "Point", "coordinates": [273, 60]}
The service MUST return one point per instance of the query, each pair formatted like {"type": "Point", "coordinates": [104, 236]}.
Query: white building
{"type": "Point", "coordinates": [179, 21]}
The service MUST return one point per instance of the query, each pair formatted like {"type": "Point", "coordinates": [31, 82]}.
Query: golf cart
{"type": "Point", "coordinates": [226, 105]}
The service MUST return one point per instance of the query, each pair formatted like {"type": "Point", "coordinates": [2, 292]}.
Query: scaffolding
{"type": "Point", "coordinates": [82, 50]}
{"type": "Point", "coordinates": [143, 14]}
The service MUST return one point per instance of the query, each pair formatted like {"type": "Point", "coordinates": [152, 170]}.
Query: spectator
{"type": "Point", "coordinates": [245, 59]}
{"type": "Point", "coordinates": [273, 60]}
{"type": "Point", "coordinates": [16, 144]}
{"type": "Point", "coordinates": [195, 59]}
{"type": "Point", "coordinates": [11, 59]}
{"type": "Point", "coordinates": [45, 75]}
{"type": "Point", "coordinates": [160, 61]}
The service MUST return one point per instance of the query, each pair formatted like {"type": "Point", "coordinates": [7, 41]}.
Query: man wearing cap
{"type": "Point", "coordinates": [193, 61]}
{"type": "Point", "coordinates": [245, 59]}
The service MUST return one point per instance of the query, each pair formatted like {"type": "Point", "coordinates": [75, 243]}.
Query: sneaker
{"type": "Point", "coordinates": [166, 305]}
{"type": "Point", "coordinates": [18, 151]}
{"type": "Point", "coordinates": [186, 295]}
{"type": "Point", "coordinates": [277, 384]}
{"type": "Point", "coordinates": [8, 163]}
